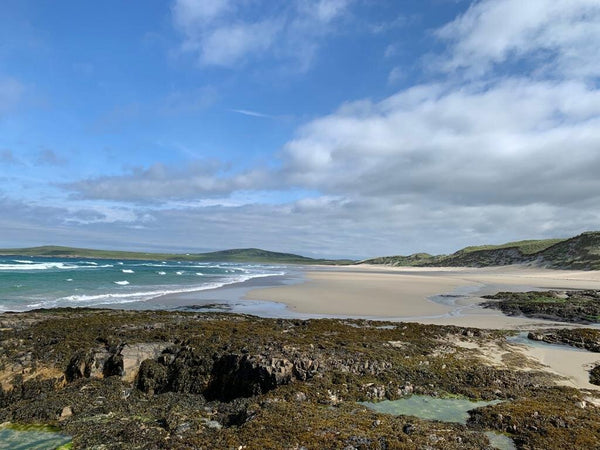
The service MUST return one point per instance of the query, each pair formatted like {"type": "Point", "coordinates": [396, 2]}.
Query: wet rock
{"type": "Point", "coordinates": [152, 378]}
{"type": "Point", "coordinates": [113, 366]}
{"type": "Point", "coordinates": [595, 375]}
{"type": "Point", "coordinates": [80, 366]}
{"type": "Point", "coordinates": [236, 376]}
{"type": "Point", "coordinates": [305, 368]}
{"type": "Point", "coordinates": [409, 428]}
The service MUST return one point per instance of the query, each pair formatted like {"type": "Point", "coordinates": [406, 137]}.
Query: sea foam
{"type": "Point", "coordinates": [37, 266]}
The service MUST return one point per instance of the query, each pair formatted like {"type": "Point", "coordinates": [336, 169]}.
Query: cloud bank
{"type": "Point", "coordinates": [501, 142]}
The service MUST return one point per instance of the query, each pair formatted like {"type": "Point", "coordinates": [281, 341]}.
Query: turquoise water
{"type": "Point", "coordinates": [442, 409]}
{"type": "Point", "coordinates": [28, 283]}
{"type": "Point", "coordinates": [430, 408]}
{"type": "Point", "coordinates": [21, 440]}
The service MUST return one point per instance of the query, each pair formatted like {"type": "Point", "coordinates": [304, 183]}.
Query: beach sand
{"type": "Point", "coordinates": [408, 294]}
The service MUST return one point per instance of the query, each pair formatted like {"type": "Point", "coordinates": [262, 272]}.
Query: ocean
{"type": "Point", "coordinates": [29, 283]}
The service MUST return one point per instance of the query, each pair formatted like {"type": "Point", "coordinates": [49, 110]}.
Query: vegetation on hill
{"type": "Point", "coordinates": [417, 259]}
{"type": "Point", "coordinates": [579, 252]}
{"type": "Point", "coordinates": [234, 255]}
{"type": "Point", "coordinates": [528, 247]}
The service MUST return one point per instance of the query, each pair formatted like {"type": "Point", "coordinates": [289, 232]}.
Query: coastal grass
{"type": "Point", "coordinates": [527, 247]}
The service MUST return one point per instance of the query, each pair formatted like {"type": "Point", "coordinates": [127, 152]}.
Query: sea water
{"type": "Point", "coordinates": [29, 283]}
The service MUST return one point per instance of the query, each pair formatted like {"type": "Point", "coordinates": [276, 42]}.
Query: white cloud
{"type": "Point", "coordinates": [225, 46]}
{"type": "Point", "coordinates": [188, 14]}
{"type": "Point", "coordinates": [505, 144]}
{"type": "Point", "coordinates": [219, 33]}
{"type": "Point", "coordinates": [433, 167]}
{"type": "Point", "coordinates": [548, 36]}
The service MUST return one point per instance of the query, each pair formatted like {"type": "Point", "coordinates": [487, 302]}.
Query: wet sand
{"type": "Point", "coordinates": [413, 294]}
{"type": "Point", "coordinates": [417, 295]}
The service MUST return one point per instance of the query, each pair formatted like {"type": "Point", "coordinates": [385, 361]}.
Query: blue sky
{"type": "Point", "coordinates": [324, 127]}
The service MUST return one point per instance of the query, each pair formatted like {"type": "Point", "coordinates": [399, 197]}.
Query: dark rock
{"type": "Point", "coordinates": [80, 366]}
{"type": "Point", "coordinates": [595, 375]}
{"type": "Point", "coordinates": [409, 428]}
{"type": "Point", "coordinates": [152, 377]}
{"type": "Point", "coordinates": [113, 366]}
{"type": "Point", "coordinates": [236, 376]}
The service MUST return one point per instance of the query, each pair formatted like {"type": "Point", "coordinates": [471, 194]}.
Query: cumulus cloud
{"type": "Point", "coordinates": [514, 143]}
{"type": "Point", "coordinates": [161, 182]}
{"type": "Point", "coordinates": [494, 156]}
{"type": "Point", "coordinates": [219, 32]}
{"type": "Point", "coordinates": [558, 37]}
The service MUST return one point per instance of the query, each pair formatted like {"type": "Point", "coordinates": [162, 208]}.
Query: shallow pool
{"type": "Point", "coordinates": [442, 409]}
{"type": "Point", "coordinates": [430, 408]}
{"type": "Point", "coordinates": [22, 438]}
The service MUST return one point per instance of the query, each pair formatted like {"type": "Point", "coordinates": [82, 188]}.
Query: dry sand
{"type": "Point", "coordinates": [405, 294]}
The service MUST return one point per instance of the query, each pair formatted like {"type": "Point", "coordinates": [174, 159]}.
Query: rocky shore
{"type": "Point", "coordinates": [581, 306]}
{"type": "Point", "coordinates": [156, 379]}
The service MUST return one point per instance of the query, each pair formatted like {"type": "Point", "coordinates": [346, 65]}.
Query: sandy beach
{"type": "Point", "coordinates": [411, 294]}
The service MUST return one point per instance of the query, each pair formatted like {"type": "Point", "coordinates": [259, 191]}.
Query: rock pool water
{"type": "Point", "coordinates": [443, 409]}
{"type": "Point", "coordinates": [430, 408]}
{"type": "Point", "coordinates": [500, 441]}
{"type": "Point", "coordinates": [31, 438]}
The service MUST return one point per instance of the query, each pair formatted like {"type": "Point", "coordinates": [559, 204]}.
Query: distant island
{"type": "Point", "coordinates": [581, 252]}
{"type": "Point", "coordinates": [243, 255]}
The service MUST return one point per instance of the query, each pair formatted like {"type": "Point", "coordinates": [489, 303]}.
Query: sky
{"type": "Point", "coordinates": [333, 128]}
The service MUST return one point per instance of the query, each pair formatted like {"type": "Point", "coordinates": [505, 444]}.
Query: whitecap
{"type": "Point", "coordinates": [120, 263]}
{"type": "Point", "coordinates": [199, 273]}
{"type": "Point", "coordinates": [122, 283]}
{"type": "Point", "coordinates": [37, 266]}
{"type": "Point", "coordinates": [69, 279]}
{"type": "Point", "coordinates": [129, 297]}
{"type": "Point", "coordinates": [127, 271]}
{"type": "Point", "coordinates": [23, 261]}
{"type": "Point", "coordinates": [161, 273]}
{"type": "Point", "coordinates": [179, 273]}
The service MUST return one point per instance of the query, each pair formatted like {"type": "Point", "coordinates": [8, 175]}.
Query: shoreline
{"type": "Point", "coordinates": [442, 296]}
{"type": "Point", "coordinates": [409, 295]}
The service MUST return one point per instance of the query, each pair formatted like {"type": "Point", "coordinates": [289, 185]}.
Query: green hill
{"type": "Point", "coordinates": [528, 247]}
{"type": "Point", "coordinates": [579, 252]}
{"type": "Point", "coordinates": [235, 255]}
{"type": "Point", "coordinates": [417, 259]}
